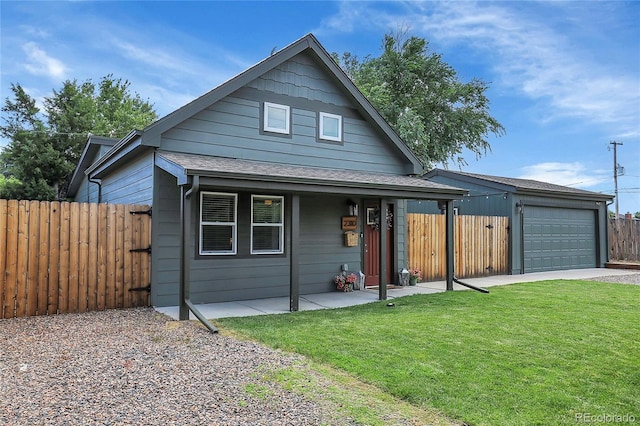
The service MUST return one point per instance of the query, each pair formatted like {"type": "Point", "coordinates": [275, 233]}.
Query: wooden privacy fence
{"type": "Point", "coordinates": [481, 245]}
{"type": "Point", "coordinates": [624, 239]}
{"type": "Point", "coordinates": [58, 257]}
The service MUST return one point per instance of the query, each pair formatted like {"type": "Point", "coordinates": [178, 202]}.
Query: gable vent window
{"type": "Point", "coordinates": [330, 127]}
{"type": "Point", "coordinates": [218, 223]}
{"type": "Point", "coordinates": [267, 224]}
{"type": "Point", "coordinates": [276, 118]}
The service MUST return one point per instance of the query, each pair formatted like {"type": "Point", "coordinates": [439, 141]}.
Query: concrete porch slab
{"type": "Point", "coordinates": [308, 302]}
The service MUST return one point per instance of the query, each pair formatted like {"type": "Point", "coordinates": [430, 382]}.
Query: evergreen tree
{"type": "Point", "coordinates": [45, 146]}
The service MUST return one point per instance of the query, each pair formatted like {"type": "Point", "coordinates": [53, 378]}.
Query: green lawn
{"type": "Point", "coordinates": [526, 354]}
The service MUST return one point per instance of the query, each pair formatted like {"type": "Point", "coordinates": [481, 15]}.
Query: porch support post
{"type": "Point", "coordinates": [294, 259]}
{"type": "Point", "coordinates": [185, 267]}
{"type": "Point", "coordinates": [382, 288]}
{"type": "Point", "coordinates": [450, 243]}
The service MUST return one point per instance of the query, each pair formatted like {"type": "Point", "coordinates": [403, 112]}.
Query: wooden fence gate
{"type": "Point", "coordinates": [481, 245]}
{"type": "Point", "coordinates": [624, 239]}
{"type": "Point", "coordinates": [58, 257]}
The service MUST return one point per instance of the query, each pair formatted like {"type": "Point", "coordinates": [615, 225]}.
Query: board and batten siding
{"type": "Point", "coordinates": [131, 183]}
{"type": "Point", "coordinates": [232, 127]}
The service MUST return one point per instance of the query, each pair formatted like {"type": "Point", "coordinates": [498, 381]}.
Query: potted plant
{"type": "Point", "coordinates": [415, 276]}
{"type": "Point", "coordinates": [345, 282]}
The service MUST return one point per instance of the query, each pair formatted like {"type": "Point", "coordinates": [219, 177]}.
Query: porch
{"type": "Point", "coordinates": [331, 300]}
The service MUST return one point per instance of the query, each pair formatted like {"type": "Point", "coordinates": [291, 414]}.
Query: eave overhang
{"type": "Point", "coordinates": [236, 173]}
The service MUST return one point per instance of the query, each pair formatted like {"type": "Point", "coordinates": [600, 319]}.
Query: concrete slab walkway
{"type": "Point", "coordinates": [280, 305]}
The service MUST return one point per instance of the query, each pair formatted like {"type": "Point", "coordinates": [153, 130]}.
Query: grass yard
{"type": "Point", "coordinates": [541, 353]}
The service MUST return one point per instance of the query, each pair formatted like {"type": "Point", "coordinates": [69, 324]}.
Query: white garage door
{"type": "Point", "coordinates": [557, 238]}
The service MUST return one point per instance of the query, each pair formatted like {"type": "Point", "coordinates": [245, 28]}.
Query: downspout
{"type": "Point", "coordinates": [520, 207]}
{"type": "Point", "coordinates": [185, 221]}
{"type": "Point", "coordinates": [99, 183]}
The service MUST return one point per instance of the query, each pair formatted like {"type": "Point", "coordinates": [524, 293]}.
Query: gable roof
{"type": "Point", "coordinates": [150, 135]}
{"type": "Point", "coordinates": [307, 43]}
{"type": "Point", "coordinates": [515, 185]}
{"type": "Point", "coordinates": [87, 157]}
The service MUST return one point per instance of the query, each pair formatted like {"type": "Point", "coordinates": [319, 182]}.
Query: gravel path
{"type": "Point", "coordinates": [137, 366]}
{"type": "Point", "coordinates": [633, 278]}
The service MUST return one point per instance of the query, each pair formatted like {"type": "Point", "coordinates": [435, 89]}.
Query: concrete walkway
{"type": "Point", "coordinates": [308, 302]}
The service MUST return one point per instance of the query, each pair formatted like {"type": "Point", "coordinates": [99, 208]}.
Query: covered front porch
{"type": "Point", "coordinates": [318, 207]}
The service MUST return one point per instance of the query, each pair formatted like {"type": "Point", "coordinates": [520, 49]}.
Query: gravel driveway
{"type": "Point", "coordinates": [137, 366]}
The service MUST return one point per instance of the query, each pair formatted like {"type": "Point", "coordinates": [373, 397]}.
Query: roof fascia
{"type": "Point", "coordinates": [172, 168]}
{"type": "Point", "coordinates": [90, 150]}
{"type": "Point", "coordinates": [154, 130]}
{"type": "Point", "coordinates": [592, 196]}
{"type": "Point", "coordinates": [365, 105]}
{"type": "Point", "coordinates": [115, 155]}
{"type": "Point", "coordinates": [470, 179]}
{"type": "Point", "coordinates": [318, 185]}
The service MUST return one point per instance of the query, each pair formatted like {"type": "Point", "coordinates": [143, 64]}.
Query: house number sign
{"type": "Point", "coordinates": [349, 223]}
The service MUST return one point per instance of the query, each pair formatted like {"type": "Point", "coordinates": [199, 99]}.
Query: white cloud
{"type": "Point", "coordinates": [543, 62]}
{"type": "Point", "coordinates": [573, 174]}
{"type": "Point", "coordinates": [529, 51]}
{"type": "Point", "coordinates": [40, 63]}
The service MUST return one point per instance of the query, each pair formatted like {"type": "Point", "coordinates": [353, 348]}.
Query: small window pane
{"type": "Point", "coordinates": [267, 210]}
{"type": "Point", "coordinates": [217, 208]}
{"type": "Point", "coordinates": [267, 238]}
{"type": "Point", "coordinates": [330, 127]}
{"type": "Point", "coordinates": [217, 238]}
{"type": "Point", "coordinates": [267, 220]}
{"type": "Point", "coordinates": [218, 218]}
{"type": "Point", "coordinates": [276, 118]}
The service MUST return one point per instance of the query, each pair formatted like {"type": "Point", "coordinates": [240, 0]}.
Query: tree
{"type": "Point", "coordinates": [423, 100]}
{"type": "Point", "coordinates": [45, 147]}
{"type": "Point", "coordinates": [637, 215]}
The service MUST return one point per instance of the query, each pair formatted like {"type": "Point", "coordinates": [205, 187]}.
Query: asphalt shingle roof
{"type": "Point", "coordinates": [527, 184]}
{"type": "Point", "coordinates": [256, 170]}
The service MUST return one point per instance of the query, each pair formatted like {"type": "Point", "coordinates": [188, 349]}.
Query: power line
{"type": "Point", "coordinates": [616, 166]}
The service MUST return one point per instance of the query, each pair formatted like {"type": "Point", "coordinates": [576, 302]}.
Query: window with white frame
{"type": "Point", "coordinates": [218, 223]}
{"type": "Point", "coordinates": [276, 118]}
{"type": "Point", "coordinates": [267, 224]}
{"type": "Point", "coordinates": [330, 127]}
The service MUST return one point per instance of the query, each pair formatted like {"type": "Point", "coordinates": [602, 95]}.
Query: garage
{"type": "Point", "coordinates": [558, 238]}
{"type": "Point", "coordinates": [551, 227]}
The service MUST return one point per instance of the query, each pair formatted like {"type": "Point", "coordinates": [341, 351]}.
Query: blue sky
{"type": "Point", "coordinates": [564, 76]}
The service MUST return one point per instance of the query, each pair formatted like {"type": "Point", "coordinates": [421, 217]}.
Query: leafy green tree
{"type": "Point", "coordinates": [637, 215]}
{"type": "Point", "coordinates": [45, 146]}
{"type": "Point", "coordinates": [422, 98]}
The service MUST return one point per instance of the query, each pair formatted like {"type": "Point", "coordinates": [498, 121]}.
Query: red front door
{"type": "Point", "coordinates": [374, 223]}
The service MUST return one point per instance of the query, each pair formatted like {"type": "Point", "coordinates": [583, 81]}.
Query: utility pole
{"type": "Point", "coordinates": [615, 173]}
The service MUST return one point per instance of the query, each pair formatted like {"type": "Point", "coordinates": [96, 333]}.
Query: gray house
{"type": "Point", "coordinates": [552, 227]}
{"type": "Point", "coordinates": [267, 186]}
